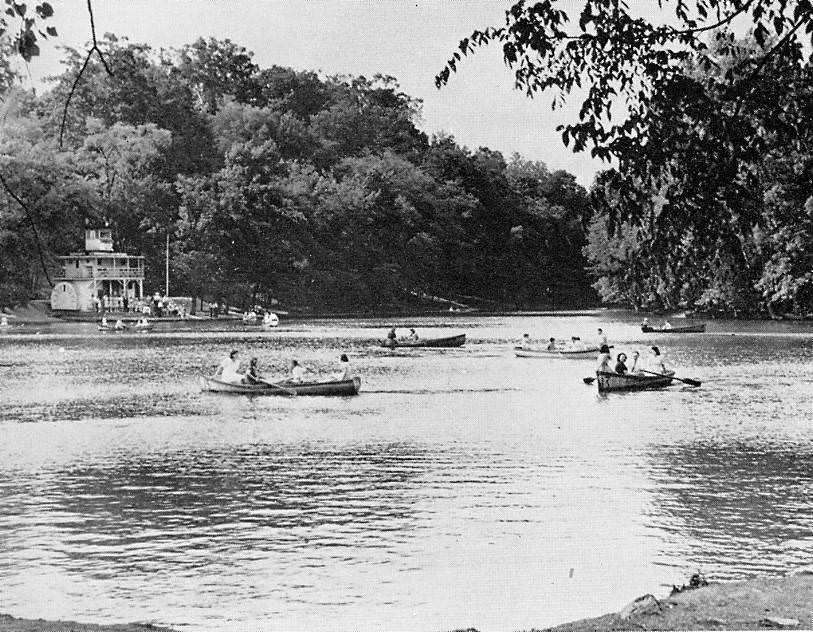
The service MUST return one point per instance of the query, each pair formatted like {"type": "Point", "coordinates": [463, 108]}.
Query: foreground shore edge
{"type": "Point", "coordinates": [756, 604]}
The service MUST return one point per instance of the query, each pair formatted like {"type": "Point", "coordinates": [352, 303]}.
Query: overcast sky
{"type": "Point", "coordinates": [410, 40]}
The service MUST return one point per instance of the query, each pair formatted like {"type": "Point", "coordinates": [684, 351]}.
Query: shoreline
{"type": "Point", "coordinates": [754, 604]}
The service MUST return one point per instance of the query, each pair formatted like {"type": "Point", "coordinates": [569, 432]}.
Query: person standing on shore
{"type": "Point", "coordinates": [602, 337]}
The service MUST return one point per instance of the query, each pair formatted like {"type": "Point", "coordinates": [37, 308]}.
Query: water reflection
{"type": "Point", "coordinates": [129, 495]}
{"type": "Point", "coordinates": [735, 509]}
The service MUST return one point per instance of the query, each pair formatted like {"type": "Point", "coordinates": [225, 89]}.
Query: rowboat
{"type": "Point", "coordinates": [587, 352]}
{"type": "Point", "coordinates": [688, 329]}
{"type": "Point", "coordinates": [449, 341]}
{"type": "Point", "coordinates": [631, 381]}
{"type": "Point", "coordinates": [336, 388]}
{"type": "Point", "coordinates": [112, 328]}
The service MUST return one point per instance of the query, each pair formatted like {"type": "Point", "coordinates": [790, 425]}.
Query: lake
{"type": "Point", "coordinates": [462, 487]}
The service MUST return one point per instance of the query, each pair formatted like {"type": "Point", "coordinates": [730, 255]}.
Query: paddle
{"type": "Point", "coordinates": [289, 391]}
{"type": "Point", "coordinates": [685, 380]}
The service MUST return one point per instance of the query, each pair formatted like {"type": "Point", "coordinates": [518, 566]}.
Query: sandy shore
{"type": "Point", "coordinates": [757, 604]}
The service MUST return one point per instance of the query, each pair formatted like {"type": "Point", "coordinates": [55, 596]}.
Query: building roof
{"type": "Point", "coordinates": [101, 254]}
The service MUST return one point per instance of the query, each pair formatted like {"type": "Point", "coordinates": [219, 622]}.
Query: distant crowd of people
{"type": "Point", "coordinates": [157, 305]}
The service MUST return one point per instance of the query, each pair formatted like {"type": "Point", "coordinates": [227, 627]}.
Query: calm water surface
{"type": "Point", "coordinates": [463, 487]}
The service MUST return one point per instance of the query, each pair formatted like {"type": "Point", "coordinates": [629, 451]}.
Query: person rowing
{"type": "Point", "coordinates": [667, 324]}
{"type": "Point", "coordinates": [656, 362]}
{"type": "Point", "coordinates": [392, 337]}
{"type": "Point", "coordinates": [229, 369]}
{"type": "Point", "coordinates": [297, 371]}
{"type": "Point", "coordinates": [120, 324]}
{"type": "Point", "coordinates": [252, 375]}
{"type": "Point", "coordinates": [551, 345]}
{"type": "Point", "coordinates": [575, 344]}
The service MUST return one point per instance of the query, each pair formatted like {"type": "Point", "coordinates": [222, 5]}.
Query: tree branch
{"type": "Point", "coordinates": [30, 218]}
{"type": "Point", "coordinates": [93, 49]}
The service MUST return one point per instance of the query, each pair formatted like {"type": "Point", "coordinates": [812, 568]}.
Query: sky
{"type": "Point", "coordinates": [410, 40]}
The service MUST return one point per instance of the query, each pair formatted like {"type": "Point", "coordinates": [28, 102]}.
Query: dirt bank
{"type": "Point", "coordinates": [757, 604]}
{"type": "Point", "coordinates": [12, 624]}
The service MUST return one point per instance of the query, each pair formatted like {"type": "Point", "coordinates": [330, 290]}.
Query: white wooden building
{"type": "Point", "coordinates": [98, 278]}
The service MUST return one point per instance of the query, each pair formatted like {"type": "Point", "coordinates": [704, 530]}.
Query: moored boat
{"type": "Point", "coordinates": [688, 329]}
{"type": "Point", "coordinates": [631, 381]}
{"type": "Point", "coordinates": [335, 388]}
{"type": "Point", "coordinates": [586, 352]}
{"type": "Point", "coordinates": [449, 341]}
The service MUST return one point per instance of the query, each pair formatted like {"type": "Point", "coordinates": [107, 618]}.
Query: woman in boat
{"type": "Point", "coordinates": [551, 344]}
{"type": "Point", "coordinates": [525, 343]}
{"type": "Point", "coordinates": [229, 369]}
{"type": "Point", "coordinates": [635, 368]}
{"type": "Point", "coordinates": [344, 372]}
{"type": "Point", "coordinates": [656, 360]}
{"type": "Point", "coordinates": [412, 335]}
{"type": "Point", "coordinates": [604, 360]}
{"type": "Point", "coordinates": [297, 371]}
{"type": "Point", "coordinates": [621, 363]}
{"type": "Point", "coordinates": [667, 324]}
{"type": "Point", "coordinates": [252, 376]}
{"type": "Point", "coordinates": [575, 343]}
{"type": "Point", "coordinates": [392, 337]}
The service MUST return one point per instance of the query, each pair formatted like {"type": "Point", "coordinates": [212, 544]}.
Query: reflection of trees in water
{"type": "Point", "coordinates": [215, 502]}
{"type": "Point", "coordinates": [739, 506]}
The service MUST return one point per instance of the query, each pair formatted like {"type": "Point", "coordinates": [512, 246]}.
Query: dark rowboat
{"type": "Point", "coordinates": [688, 329]}
{"type": "Point", "coordinates": [587, 352]}
{"type": "Point", "coordinates": [630, 381]}
{"type": "Point", "coordinates": [340, 388]}
{"type": "Point", "coordinates": [113, 329]}
{"type": "Point", "coordinates": [449, 341]}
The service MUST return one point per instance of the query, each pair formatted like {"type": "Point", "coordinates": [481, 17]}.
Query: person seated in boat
{"type": "Point", "coordinates": [621, 363]}
{"type": "Point", "coordinates": [392, 337]}
{"type": "Point", "coordinates": [551, 345]}
{"type": "Point", "coordinates": [645, 322]}
{"type": "Point", "coordinates": [575, 343]}
{"type": "Point", "coordinates": [104, 322]}
{"type": "Point", "coordinates": [657, 361]}
{"type": "Point", "coordinates": [525, 342]}
{"type": "Point", "coordinates": [297, 371]}
{"type": "Point", "coordinates": [252, 375]}
{"type": "Point", "coordinates": [667, 324]}
{"type": "Point", "coordinates": [413, 337]}
{"type": "Point", "coordinates": [604, 360]}
{"type": "Point", "coordinates": [120, 324]}
{"type": "Point", "coordinates": [344, 371]}
{"type": "Point", "coordinates": [229, 369]}
{"type": "Point", "coordinates": [636, 363]}
{"type": "Point", "coordinates": [602, 338]}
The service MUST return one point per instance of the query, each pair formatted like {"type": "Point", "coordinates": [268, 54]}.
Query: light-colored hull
{"type": "Point", "coordinates": [339, 388]}
{"type": "Point", "coordinates": [449, 341]}
{"type": "Point", "coordinates": [589, 353]}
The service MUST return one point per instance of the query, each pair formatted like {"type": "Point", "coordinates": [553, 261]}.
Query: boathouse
{"type": "Point", "coordinates": [98, 278]}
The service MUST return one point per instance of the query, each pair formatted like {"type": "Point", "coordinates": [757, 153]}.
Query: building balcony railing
{"type": "Point", "coordinates": [102, 273]}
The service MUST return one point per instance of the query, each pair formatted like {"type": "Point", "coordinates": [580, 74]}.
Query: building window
{"type": "Point", "coordinates": [99, 262]}
{"type": "Point", "coordinates": [77, 263]}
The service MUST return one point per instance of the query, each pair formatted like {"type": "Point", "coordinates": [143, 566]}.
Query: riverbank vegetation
{"type": "Point", "coordinates": [709, 201]}
{"type": "Point", "coordinates": [278, 184]}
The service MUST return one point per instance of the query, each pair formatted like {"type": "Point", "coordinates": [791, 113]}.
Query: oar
{"type": "Point", "coordinates": [289, 391]}
{"type": "Point", "coordinates": [685, 380]}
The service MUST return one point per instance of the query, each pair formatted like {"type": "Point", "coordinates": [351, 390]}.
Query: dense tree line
{"type": "Point", "coordinates": [277, 183]}
{"type": "Point", "coordinates": [719, 203]}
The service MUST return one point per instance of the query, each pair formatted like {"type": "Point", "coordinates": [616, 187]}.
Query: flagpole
{"type": "Point", "coordinates": [166, 284]}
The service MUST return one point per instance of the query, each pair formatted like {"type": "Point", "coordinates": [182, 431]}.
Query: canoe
{"type": "Point", "coordinates": [339, 388]}
{"type": "Point", "coordinates": [688, 329]}
{"type": "Point", "coordinates": [112, 328]}
{"type": "Point", "coordinates": [587, 352]}
{"type": "Point", "coordinates": [449, 341]}
{"type": "Point", "coordinates": [630, 381]}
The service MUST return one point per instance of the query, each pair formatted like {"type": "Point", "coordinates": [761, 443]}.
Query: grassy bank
{"type": "Point", "coordinates": [757, 604]}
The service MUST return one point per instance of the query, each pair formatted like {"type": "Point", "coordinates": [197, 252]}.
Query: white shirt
{"type": "Point", "coordinates": [230, 371]}
{"type": "Point", "coordinates": [298, 373]}
{"type": "Point", "coordinates": [343, 372]}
